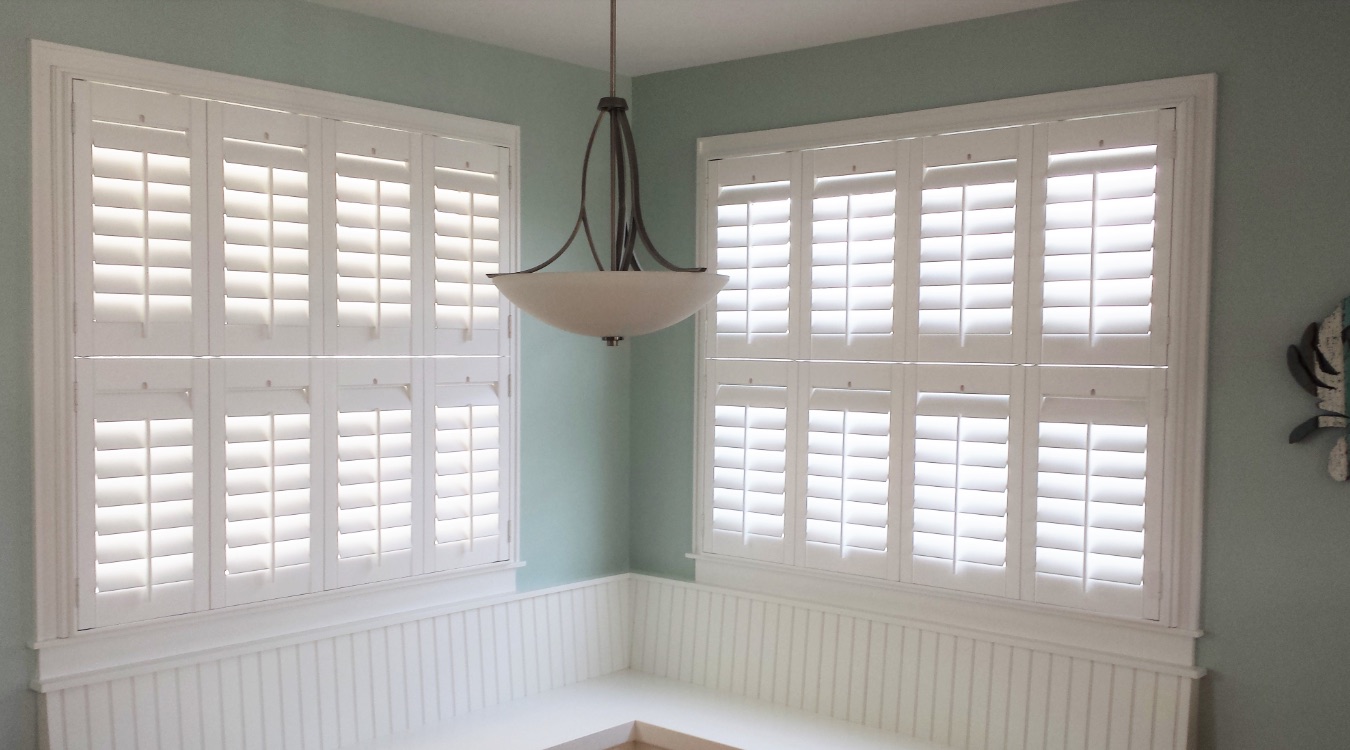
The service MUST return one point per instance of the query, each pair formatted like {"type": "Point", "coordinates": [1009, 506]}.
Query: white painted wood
{"type": "Point", "coordinates": [948, 686]}
{"type": "Point", "coordinates": [952, 686]}
{"type": "Point", "coordinates": [325, 690]}
{"type": "Point", "coordinates": [55, 71]}
{"type": "Point", "coordinates": [1181, 288]}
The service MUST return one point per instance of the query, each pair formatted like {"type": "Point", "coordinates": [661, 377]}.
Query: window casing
{"type": "Point", "coordinates": [957, 330]}
{"type": "Point", "coordinates": [285, 370]}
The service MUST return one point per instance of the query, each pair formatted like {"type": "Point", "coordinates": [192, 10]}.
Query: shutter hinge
{"type": "Point", "coordinates": [509, 531]}
{"type": "Point", "coordinates": [508, 385]}
{"type": "Point", "coordinates": [510, 323]}
{"type": "Point", "coordinates": [72, 117]}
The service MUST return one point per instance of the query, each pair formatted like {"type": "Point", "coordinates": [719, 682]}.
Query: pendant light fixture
{"type": "Point", "coordinates": [620, 300]}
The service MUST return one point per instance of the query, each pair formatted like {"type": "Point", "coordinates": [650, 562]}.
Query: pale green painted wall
{"type": "Point", "coordinates": [1277, 561]}
{"type": "Point", "coordinates": [575, 391]}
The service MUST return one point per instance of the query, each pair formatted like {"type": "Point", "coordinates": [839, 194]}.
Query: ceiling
{"type": "Point", "coordinates": [657, 35]}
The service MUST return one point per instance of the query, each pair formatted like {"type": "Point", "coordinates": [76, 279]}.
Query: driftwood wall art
{"type": "Point", "coordinates": [1319, 364]}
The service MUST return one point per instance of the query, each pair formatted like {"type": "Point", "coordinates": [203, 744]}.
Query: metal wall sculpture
{"type": "Point", "coordinates": [1319, 363]}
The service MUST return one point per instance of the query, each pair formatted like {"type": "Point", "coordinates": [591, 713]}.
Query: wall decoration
{"type": "Point", "coordinates": [1319, 363]}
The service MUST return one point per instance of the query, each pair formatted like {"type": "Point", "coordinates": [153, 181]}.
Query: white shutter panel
{"type": "Point", "coordinates": [377, 471]}
{"type": "Point", "coordinates": [747, 511]}
{"type": "Point", "coordinates": [968, 242]}
{"type": "Point", "coordinates": [752, 232]}
{"type": "Point", "coordinates": [472, 505]}
{"type": "Point", "coordinates": [374, 239]}
{"type": "Point", "coordinates": [853, 251]}
{"type": "Point", "coordinates": [267, 241]}
{"type": "Point", "coordinates": [142, 512]}
{"type": "Point", "coordinates": [468, 181]}
{"type": "Point", "coordinates": [847, 469]}
{"type": "Point", "coordinates": [269, 436]}
{"type": "Point", "coordinates": [963, 537]}
{"type": "Point", "coordinates": [1107, 230]}
{"type": "Point", "coordinates": [1099, 438]}
{"type": "Point", "coordinates": [140, 198]}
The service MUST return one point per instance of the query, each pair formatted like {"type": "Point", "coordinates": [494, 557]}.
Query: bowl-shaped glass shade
{"type": "Point", "coordinates": [610, 303]}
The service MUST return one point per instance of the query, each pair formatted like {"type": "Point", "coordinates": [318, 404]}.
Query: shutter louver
{"type": "Point", "coordinates": [962, 460]}
{"type": "Point", "coordinates": [269, 171]}
{"type": "Point", "coordinates": [1095, 485]}
{"type": "Point", "coordinates": [377, 479]}
{"type": "Point", "coordinates": [748, 514]}
{"type": "Point", "coordinates": [853, 252]}
{"type": "Point", "coordinates": [268, 472]}
{"type": "Point", "coordinates": [847, 472]}
{"type": "Point", "coordinates": [139, 220]}
{"type": "Point", "coordinates": [469, 222]}
{"type": "Point", "coordinates": [374, 240]}
{"type": "Point", "coordinates": [146, 519]}
{"type": "Point", "coordinates": [470, 426]}
{"type": "Point", "coordinates": [753, 208]}
{"type": "Point", "coordinates": [1106, 228]}
{"type": "Point", "coordinates": [967, 244]}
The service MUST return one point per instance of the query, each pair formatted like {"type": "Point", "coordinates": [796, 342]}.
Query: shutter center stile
{"type": "Point", "coordinates": [149, 511]}
{"type": "Point", "coordinates": [145, 245]}
{"type": "Point", "coordinates": [271, 255]}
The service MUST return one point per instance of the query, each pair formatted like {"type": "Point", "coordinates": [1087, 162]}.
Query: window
{"type": "Point", "coordinates": [289, 372]}
{"type": "Point", "coordinates": [947, 359]}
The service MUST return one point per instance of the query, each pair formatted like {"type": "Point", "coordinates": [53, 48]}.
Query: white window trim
{"type": "Point", "coordinates": [63, 649]}
{"type": "Point", "coordinates": [1171, 639]}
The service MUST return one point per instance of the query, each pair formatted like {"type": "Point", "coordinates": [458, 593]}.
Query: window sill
{"type": "Point", "coordinates": [123, 650]}
{"type": "Point", "coordinates": [1151, 645]}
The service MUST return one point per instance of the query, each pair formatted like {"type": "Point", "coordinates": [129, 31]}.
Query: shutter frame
{"type": "Point", "coordinates": [1147, 389]}
{"type": "Point", "coordinates": [959, 382]}
{"type": "Point", "coordinates": [871, 386]}
{"type": "Point", "coordinates": [825, 174]}
{"type": "Point", "coordinates": [128, 390]}
{"type": "Point", "coordinates": [769, 182]}
{"type": "Point", "coordinates": [759, 385]}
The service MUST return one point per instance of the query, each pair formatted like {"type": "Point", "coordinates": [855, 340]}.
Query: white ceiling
{"type": "Point", "coordinates": [657, 35]}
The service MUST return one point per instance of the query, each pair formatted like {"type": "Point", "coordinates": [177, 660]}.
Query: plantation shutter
{"type": "Point", "coordinates": [472, 496]}
{"type": "Point", "coordinates": [141, 449]}
{"type": "Point", "coordinates": [752, 202]}
{"type": "Point", "coordinates": [140, 209]}
{"type": "Point", "coordinates": [467, 180]}
{"type": "Point", "coordinates": [853, 251]}
{"type": "Point", "coordinates": [1107, 230]}
{"type": "Point", "coordinates": [847, 470]}
{"type": "Point", "coordinates": [264, 488]}
{"type": "Point", "coordinates": [750, 452]}
{"type": "Point", "coordinates": [968, 239]}
{"type": "Point", "coordinates": [963, 458]}
{"type": "Point", "coordinates": [374, 239]}
{"type": "Point", "coordinates": [377, 472]}
{"type": "Point", "coordinates": [1096, 488]}
{"type": "Point", "coordinates": [266, 177]}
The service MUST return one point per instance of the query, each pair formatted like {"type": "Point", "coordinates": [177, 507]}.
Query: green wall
{"type": "Point", "coordinates": [1277, 562]}
{"type": "Point", "coordinates": [574, 391]}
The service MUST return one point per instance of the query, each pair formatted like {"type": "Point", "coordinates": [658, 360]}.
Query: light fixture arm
{"type": "Point", "coordinates": [626, 222]}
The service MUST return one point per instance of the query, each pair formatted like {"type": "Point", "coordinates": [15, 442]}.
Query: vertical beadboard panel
{"type": "Point", "coordinates": [337, 690]}
{"type": "Point", "coordinates": [950, 688]}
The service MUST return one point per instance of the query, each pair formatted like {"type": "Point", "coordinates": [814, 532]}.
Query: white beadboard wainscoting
{"type": "Point", "coordinates": [341, 689]}
{"type": "Point", "coordinates": [953, 687]}
{"type": "Point", "coordinates": [958, 687]}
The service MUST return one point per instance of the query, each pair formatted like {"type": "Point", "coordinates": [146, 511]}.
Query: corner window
{"type": "Point", "coordinates": [949, 360]}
